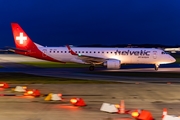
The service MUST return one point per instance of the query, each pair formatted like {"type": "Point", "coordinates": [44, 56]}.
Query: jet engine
{"type": "Point", "coordinates": [113, 64]}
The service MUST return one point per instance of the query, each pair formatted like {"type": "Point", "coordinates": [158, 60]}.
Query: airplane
{"type": "Point", "coordinates": [112, 58]}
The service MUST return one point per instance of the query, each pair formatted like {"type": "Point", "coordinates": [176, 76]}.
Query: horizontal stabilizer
{"type": "Point", "coordinates": [15, 49]}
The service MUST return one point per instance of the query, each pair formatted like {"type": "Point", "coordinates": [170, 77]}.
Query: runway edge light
{"type": "Point", "coordinates": [77, 102]}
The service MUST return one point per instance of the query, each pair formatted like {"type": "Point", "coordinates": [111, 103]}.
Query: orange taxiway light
{"type": "Point", "coordinates": [135, 114]}
{"type": "Point", "coordinates": [29, 92]}
{"type": "Point", "coordinates": [24, 87]}
{"type": "Point", "coordinates": [77, 102]}
{"type": "Point", "coordinates": [73, 100]}
{"type": "Point", "coordinates": [117, 106]}
{"type": "Point", "coordinates": [168, 82]}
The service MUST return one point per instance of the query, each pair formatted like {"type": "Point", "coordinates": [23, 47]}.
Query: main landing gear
{"type": "Point", "coordinates": [156, 66]}
{"type": "Point", "coordinates": [91, 68]}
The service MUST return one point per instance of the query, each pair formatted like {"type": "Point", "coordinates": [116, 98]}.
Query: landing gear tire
{"type": "Point", "coordinates": [91, 68]}
{"type": "Point", "coordinates": [156, 67]}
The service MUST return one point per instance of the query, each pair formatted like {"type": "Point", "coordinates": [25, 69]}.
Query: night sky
{"type": "Point", "coordinates": [80, 22]}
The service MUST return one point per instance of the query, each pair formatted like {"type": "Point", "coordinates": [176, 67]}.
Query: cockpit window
{"type": "Point", "coordinates": [163, 52]}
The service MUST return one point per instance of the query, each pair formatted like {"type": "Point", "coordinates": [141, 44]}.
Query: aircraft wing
{"type": "Point", "coordinates": [87, 59]}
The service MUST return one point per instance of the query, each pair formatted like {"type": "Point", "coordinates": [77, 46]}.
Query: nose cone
{"type": "Point", "coordinates": [172, 59]}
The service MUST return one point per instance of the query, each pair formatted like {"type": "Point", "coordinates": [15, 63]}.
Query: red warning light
{"type": "Point", "coordinates": [34, 93]}
{"type": "Point", "coordinates": [142, 115]}
{"type": "Point", "coordinates": [4, 85]}
{"type": "Point", "coordinates": [77, 102]}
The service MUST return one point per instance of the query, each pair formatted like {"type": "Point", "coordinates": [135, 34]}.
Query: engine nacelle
{"type": "Point", "coordinates": [113, 64]}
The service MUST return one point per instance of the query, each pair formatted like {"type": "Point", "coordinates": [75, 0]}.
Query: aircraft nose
{"type": "Point", "coordinates": [173, 59]}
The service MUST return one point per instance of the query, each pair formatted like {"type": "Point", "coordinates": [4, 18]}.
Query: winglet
{"type": "Point", "coordinates": [71, 51]}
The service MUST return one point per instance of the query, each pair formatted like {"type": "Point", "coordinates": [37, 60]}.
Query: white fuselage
{"type": "Point", "coordinates": [125, 55]}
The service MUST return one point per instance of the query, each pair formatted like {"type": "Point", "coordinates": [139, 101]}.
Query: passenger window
{"type": "Point", "coordinates": [94, 52]}
{"type": "Point", "coordinates": [163, 53]}
{"type": "Point", "coordinates": [64, 51]}
{"type": "Point", "coordinates": [90, 52]}
{"type": "Point", "coordinates": [102, 52]}
{"type": "Point", "coordinates": [86, 51]}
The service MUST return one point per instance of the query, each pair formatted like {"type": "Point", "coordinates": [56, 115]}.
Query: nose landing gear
{"type": "Point", "coordinates": [156, 67]}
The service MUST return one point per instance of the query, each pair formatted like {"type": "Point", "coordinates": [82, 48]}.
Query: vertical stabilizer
{"type": "Point", "coordinates": [21, 39]}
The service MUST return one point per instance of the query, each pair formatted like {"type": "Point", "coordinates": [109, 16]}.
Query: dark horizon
{"type": "Point", "coordinates": [104, 22]}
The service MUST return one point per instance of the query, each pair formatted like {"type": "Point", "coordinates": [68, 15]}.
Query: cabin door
{"type": "Point", "coordinates": [154, 54]}
{"type": "Point", "coordinates": [44, 53]}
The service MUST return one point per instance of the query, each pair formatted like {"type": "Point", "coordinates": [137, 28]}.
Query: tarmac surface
{"type": "Point", "coordinates": [137, 95]}
{"type": "Point", "coordinates": [152, 97]}
{"type": "Point", "coordinates": [10, 63]}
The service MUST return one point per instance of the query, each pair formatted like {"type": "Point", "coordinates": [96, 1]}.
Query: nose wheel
{"type": "Point", "coordinates": [156, 66]}
{"type": "Point", "coordinates": [91, 68]}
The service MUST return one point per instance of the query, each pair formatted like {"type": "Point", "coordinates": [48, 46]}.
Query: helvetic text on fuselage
{"type": "Point", "coordinates": [136, 53]}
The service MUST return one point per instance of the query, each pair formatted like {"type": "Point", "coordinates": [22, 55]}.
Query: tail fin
{"type": "Point", "coordinates": [21, 39]}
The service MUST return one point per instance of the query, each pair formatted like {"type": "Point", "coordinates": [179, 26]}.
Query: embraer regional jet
{"type": "Point", "coordinates": [112, 58]}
